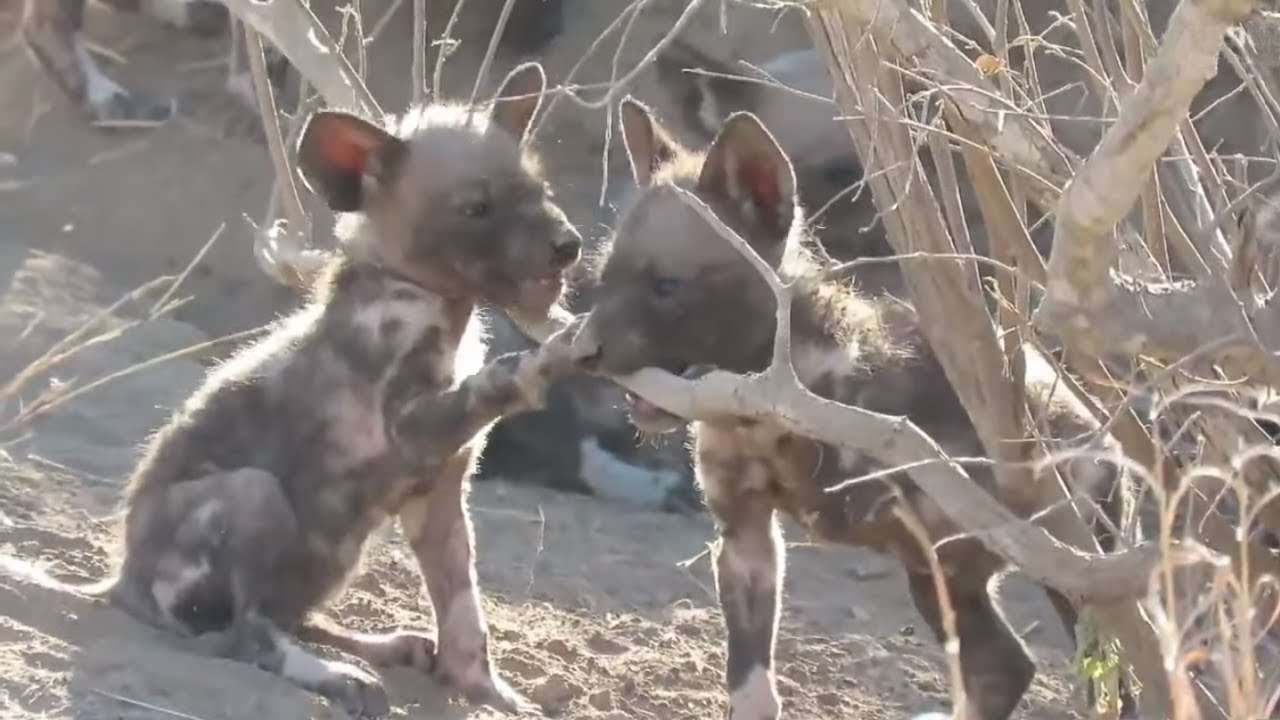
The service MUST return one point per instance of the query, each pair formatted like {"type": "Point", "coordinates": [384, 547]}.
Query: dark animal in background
{"type": "Point", "coordinates": [53, 32]}
{"type": "Point", "coordinates": [702, 91]}
{"type": "Point", "coordinates": [252, 506]}
{"type": "Point", "coordinates": [675, 295]}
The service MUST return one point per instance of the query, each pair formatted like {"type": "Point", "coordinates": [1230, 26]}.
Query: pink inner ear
{"type": "Point", "coordinates": [344, 150]}
{"type": "Point", "coordinates": [762, 182]}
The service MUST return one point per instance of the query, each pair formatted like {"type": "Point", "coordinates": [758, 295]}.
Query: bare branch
{"type": "Point", "coordinates": [1000, 123]}
{"type": "Point", "coordinates": [418, 68]}
{"type": "Point", "coordinates": [1095, 310]}
{"type": "Point", "coordinates": [295, 31]}
{"type": "Point", "coordinates": [495, 37]}
{"type": "Point", "coordinates": [286, 244]}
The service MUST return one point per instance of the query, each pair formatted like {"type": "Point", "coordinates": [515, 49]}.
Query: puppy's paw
{"type": "Point", "coordinates": [555, 356]}
{"type": "Point", "coordinates": [482, 687]}
{"type": "Point", "coordinates": [406, 649]}
{"type": "Point", "coordinates": [359, 693]}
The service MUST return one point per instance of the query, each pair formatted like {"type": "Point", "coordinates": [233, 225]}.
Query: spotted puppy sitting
{"type": "Point", "coordinates": [253, 505]}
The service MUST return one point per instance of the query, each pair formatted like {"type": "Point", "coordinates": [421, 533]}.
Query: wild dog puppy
{"type": "Point", "coordinates": [252, 507]}
{"type": "Point", "coordinates": [53, 32]}
{"type": "Point", "coordinates": [675, 295]}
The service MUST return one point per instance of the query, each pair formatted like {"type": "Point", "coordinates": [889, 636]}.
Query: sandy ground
{"type": "Point", "coordinates": [593, 614]}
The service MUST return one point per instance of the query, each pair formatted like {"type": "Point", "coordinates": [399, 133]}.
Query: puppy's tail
{"type": "Point", "coordinates": [24, 571]}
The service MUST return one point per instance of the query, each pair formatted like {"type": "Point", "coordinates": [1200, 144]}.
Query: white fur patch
{"type": "Point", "coordinates": [165, 590]}
{"type": "Point", "coordinates": [755, 699]}
{"type": "Point", "coordinates": [463, 619]}
{"type": "Point", "coordinates": [414, 316]}
{"type": "Point", "coordinates": [612, 478]}
{"type": "Point", "coordinates": [99, 88]}
{"type": "Point", "coordinates": [301, 666]}
{"type": "Point", "coordinates": [469, 355]}
{"type": "Point", "coordinates": [204, 515]}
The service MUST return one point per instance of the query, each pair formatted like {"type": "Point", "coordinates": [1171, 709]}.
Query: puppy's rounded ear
{"type": "Point", "coordinates": [649, 147]}
{"type": "Point", "coordinates": [518, 99]}
{"type": "Point", "coordinates": [338, 151]}
{"type": "Point", "coordinates": [746, 165]}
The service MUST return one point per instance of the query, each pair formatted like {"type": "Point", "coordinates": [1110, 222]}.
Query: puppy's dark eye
{"type": "Point", "coordinates": [475, 208]}
{"type": "Point", "coordinates": [665, 286]}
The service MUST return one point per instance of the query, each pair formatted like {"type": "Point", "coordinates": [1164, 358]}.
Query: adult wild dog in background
{"type": "Point", "coordinates": [675, 295]}
{"type": "Point", "coordinates": [252, 507]}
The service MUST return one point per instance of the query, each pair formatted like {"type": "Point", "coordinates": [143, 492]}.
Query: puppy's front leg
{"type": "Point", "coordinates": [748, 571]}
{"type": "Point", "coordinates": [432, 427]}
{"type": "Point", "coordinates": [438, 529]}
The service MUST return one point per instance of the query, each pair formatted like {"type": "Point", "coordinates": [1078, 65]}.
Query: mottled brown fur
{"type": "Point", "coordinates": [675, 295]}
{"type": "Point", "coordinates": [252, 506]}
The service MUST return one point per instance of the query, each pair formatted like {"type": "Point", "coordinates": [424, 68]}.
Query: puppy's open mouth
{"type": "Point", "coordinates": [650, 418]}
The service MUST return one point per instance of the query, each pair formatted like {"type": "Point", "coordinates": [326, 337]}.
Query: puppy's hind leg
{"type": "Point", "coordinates": [403, 648]}
{"type": "Point", "coordinates": [259, 641]}
{"type": "Point", "coordinates": [996, 666]}
{"type": "Point", "coordinates": [234, 536]}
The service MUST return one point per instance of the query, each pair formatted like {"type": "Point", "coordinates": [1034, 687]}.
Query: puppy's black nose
{"type": "Point", "coordinates": [566, 252]}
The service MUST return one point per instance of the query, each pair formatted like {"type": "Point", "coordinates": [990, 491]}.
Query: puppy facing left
{"type": "Point", "coordinates": [252, 507]}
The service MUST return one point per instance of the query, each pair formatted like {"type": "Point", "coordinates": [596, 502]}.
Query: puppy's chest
{"type": "Point", "coordinates": [755, 457]}
{"type": "Point", "coordinates": [797, 474]}
{"type": "Point", "coordinates": [397, 348]}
